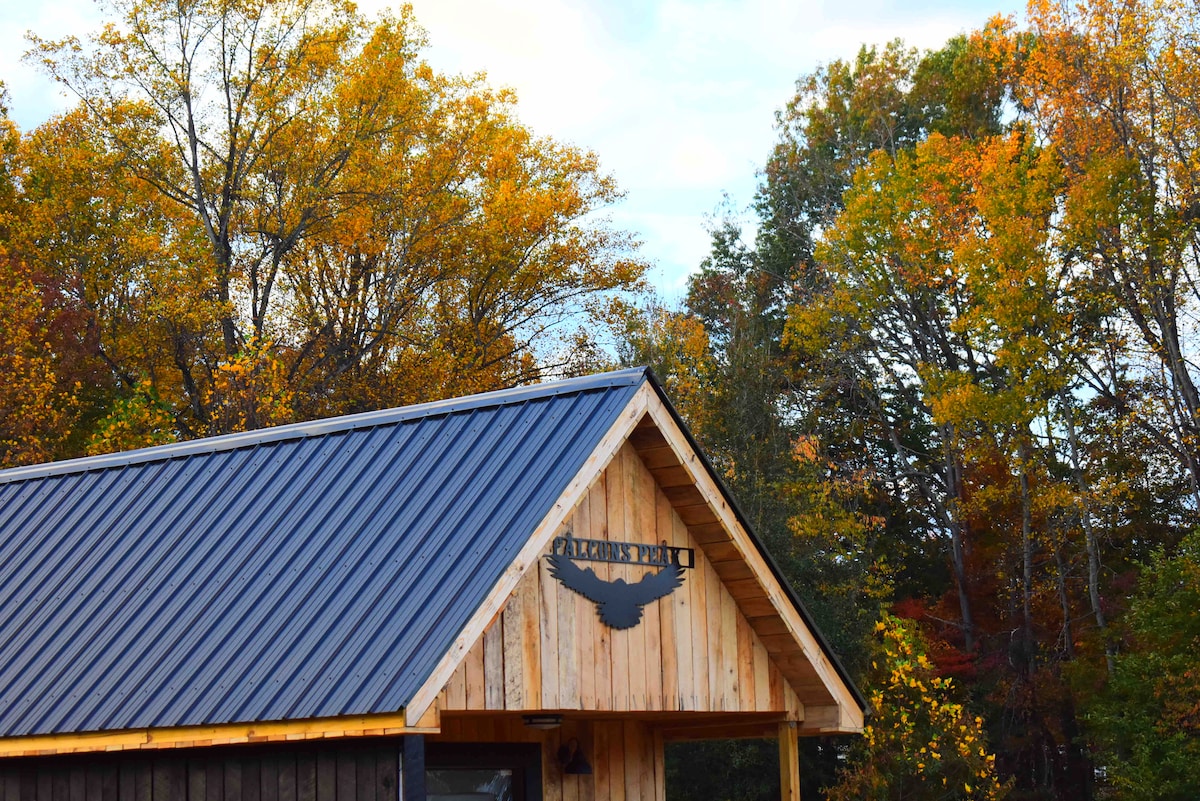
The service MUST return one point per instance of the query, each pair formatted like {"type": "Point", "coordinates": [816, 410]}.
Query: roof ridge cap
{"type": "Point", "coordinates": [328, 425]}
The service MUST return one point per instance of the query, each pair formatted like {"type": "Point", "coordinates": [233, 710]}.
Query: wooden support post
{"type": "Point", "coordinates": [412, 768]}
{"type": "Point", "coordinates": [789, 762]}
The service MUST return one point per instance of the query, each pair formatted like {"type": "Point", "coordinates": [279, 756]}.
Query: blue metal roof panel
{"type": "Point", "coordinates": [309, 571]}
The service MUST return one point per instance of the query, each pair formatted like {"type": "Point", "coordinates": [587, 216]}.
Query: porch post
{"type": "Point", "coordinates": [789, 762]}
{"type": "Point", "coordinates": [412, 767]}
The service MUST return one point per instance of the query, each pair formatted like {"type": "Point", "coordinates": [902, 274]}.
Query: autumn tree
{"type": "Point", "coordinates": [787, 427]}
{"type": "Point", "coordinates": [887, 99]}
{"type": "Point", "coordinates": [957, 374]}
{"type": "Point", "coordinates": [34, 406]}
{"type": "Point", "coordinates": [1112, 87]}
{"type": "Point", "coordinates": [358, 230]}
{"type": "Point", "coordinates": [921, 743]}
{"type": "Point", "coordinates": [842, 121]}
{"type": "Point", "coordinates": [34, 410]}
{"type": "Point", "coordinates": [125, 269]}
{"type": "Point", "coordinates": [986, 256]}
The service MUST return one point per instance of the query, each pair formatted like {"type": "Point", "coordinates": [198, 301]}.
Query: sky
{"type": "Point", "coordinates": [677, 97]}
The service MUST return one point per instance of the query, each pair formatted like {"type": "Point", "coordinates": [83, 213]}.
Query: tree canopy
{"type": "Point", "coordinates": [276, 210]}
{"type": "Point", "coordinates": [956, 366]}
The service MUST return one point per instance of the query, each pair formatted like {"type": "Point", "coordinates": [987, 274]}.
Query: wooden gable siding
{"type": "Point", "coordinates": [693, 650]}
{"type": "Point", "coordinates": [830, 703]}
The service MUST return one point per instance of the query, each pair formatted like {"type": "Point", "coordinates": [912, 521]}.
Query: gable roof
{"type": "Point", "coordinates": [328, 569]}
{"type": "Point", "coordinates": [305, 571]}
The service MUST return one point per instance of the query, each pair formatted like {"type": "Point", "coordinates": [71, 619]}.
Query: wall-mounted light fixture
{"type": "Point", "coordinates": [542, 721]}
{"type": "Point", "coordinates": [570, 756]}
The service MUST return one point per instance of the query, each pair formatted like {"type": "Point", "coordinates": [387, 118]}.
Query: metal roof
{"type": "Point", "coordinates": [303, 571]}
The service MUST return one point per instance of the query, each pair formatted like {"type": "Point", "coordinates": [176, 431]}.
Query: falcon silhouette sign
{"type": "Point", "coordinates": [619, 603]}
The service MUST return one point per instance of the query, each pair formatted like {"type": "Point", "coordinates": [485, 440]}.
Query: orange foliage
{"type": "Point", "coordinates": [348, 230]}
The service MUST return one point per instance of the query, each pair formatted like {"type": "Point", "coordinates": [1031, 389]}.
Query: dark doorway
{"type": "Point", "coordinates": [483, 772]}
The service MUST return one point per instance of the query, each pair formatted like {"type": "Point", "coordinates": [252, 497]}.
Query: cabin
{"type": "Point", "coordinates": [518, 595]}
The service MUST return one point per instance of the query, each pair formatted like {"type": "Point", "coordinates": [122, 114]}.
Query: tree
{"type": "Point", "coordinates": [946, 319]}
{"type": "Point", "coordinates": [885, 100]}
{"type": "Point", "coordinates": [1113, 89]}
{"type": "Point", "coordinates": [364, 230]}
{"type": "Point", "coordinates": [34, 409]}
{"type": "Point", "coordinates": [1146, 722]}
{"type": "Point", "coordinates": [125, 268]}
{"type": "Point", "coordinates": [921, 743]}
{"type": "Point", "coordinates": [986, 257]}
{"type": "Point", "coordinates": [792, 427]}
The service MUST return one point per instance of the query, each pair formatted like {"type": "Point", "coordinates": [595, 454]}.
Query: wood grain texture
{"type": "Point", "coordinates": [789, 763]}
{"type": "Point", "coordinates": [608, 447]}
{"type": "Point", "coordinates": [694, 650]}
{"type": "Point", "coordinates": [715, 521]}
{"type": "Point", "coordinates": [493, 665]}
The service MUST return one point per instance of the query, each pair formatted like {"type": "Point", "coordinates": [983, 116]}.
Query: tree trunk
{"type": "Point", "coordinates": [1089, 532]}
{"type": "Point", "coordinates": [1026, 555]}
{"type": "Point", "coordinates": [1064, 598]}
{"type": "Point", "coordinates": [958, 549]}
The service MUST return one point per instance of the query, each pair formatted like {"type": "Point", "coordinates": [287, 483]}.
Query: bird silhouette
{"type": "Point", "coordinates": [618, 602]}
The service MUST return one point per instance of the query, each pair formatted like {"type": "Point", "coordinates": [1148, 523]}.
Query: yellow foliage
{"type": "Point", "coordinates": [250, 390]}
{"type": "Point", "coordinates": [919, 743]}
{"type": "Point", "coordinates": [34, 411]}
{"type": "Point", "coordinates": [276, 210]}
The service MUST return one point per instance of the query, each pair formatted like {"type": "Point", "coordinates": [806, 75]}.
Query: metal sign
{"type": "Point", "coordinates": [618, 602]}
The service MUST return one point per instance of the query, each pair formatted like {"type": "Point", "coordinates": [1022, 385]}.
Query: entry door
{"type": "Point", "coordinates": [483, 772]}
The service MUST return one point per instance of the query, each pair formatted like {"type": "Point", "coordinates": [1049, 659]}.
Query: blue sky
{"type": "Point", "coordinates": [676, 96]}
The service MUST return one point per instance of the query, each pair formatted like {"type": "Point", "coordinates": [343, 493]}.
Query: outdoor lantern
{"type": "Point", "coordinates": [542, 721]}
{"type": "Point", "coordinates": [570, 756]}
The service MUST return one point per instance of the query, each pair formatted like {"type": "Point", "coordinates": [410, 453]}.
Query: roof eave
{"type": "Point", "coordinates": [776, 571]}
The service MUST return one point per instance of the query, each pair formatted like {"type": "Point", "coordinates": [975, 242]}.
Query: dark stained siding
{"type": "Point", "coordinates": [307, 571]}
{"type": "Point", "coordinates": [364, 770]}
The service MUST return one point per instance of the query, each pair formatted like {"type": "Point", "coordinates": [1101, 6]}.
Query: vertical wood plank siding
{"type": "Point", "coordinates": [694, 650]}
{"type": "Point", "coordinates": [356, 771]}
{"type": "Point", "coordinates": [626, 755]}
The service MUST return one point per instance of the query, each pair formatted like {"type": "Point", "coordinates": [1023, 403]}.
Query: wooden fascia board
{"type": "Point", "coordinates": [595, 464]}
{"type": "Point", "coordinates": [223, 734]}
{"type": "Point", "coordinates": [829, 719]}
{"type": "Point", "coordinates": [851, 717]}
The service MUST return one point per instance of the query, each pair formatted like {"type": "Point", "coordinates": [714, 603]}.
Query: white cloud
{"type": "Point", "coordinates": [676, 96]}
{"type": "Point", "coordinates": [551, 52]}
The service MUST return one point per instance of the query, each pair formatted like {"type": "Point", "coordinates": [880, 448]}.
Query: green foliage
{"type": "Point", "coordinates": [138, 421]}
{"type": "Point", "coordinates": [1146, 721]}
{"type": "Point", "coordinates": [723, 770]}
